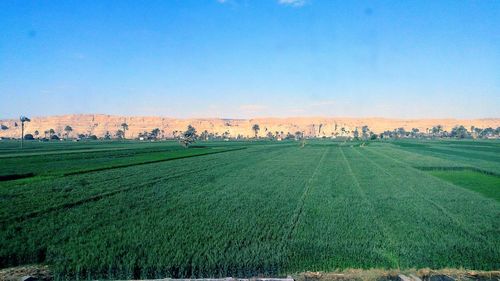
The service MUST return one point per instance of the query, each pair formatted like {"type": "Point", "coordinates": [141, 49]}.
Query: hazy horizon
{"type": "Point", "coordinates": [243, 59]}
{"type": "Point", "coordinates": [251, 117]}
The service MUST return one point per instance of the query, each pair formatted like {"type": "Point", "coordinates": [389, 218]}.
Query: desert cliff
{"type": "Point", "coordinates": [100, 124]}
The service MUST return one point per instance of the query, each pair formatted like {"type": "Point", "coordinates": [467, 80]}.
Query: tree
{"type": "Point", "coordinates": [414, 132]}
{"type": "Point", "coordinates": [23, 119]}
{"type": "Point", "coordinates": [204, 135]}
{"type": "Point", "coordinates": [401, 132]}
{"type": "Point", "coordinates": [29, 137]}
{"type": "Point", "coordinates": [124, 128]}
{"type": "Point", "coordinates": [256, 129]}
{"type": "Point", "coordinates": [68, 130]}
{"type": "Point", "coordinates": [298, 135]}
{"type": "Point", "coordinates": [189, 136]}
{"type": "Point", "coordinates": [119, 134]}
{"type": "Point", "coordinates": [487, 132]}
{"type": "Point", "coordinates": [356, 133]}
{"type": "Point", "coordinates": [459, 132]}
{"type": "Point", "coordinates": [155, 133]}
{"type": "Point", "coordinates": [51, 133]}
{"type": "Point", "coordinates": [4, 127]}
{"type": "Point", "coordinates": [437, 130]}
{"type": "Point", "coordinates": [365, 131]}
{"type": "Point", "coordinates": [37, 133]}
{"type": "Point", "coordinates": [107, 135]}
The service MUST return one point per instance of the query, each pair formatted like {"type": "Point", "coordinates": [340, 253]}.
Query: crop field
{"type": "Point", "coordinates": [153, 210]}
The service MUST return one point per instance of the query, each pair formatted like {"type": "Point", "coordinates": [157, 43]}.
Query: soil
{"type": "Point", "coordinates": [43, 273]}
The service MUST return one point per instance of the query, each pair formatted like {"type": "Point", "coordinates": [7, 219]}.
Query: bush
{"type": "Point", "coordinates": [54, 137]}
{"type": "Point", "coordinates": [29, 137]}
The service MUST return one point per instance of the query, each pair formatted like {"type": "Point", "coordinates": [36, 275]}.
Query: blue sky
{"type": "Point", "coordinates": [244, 58]}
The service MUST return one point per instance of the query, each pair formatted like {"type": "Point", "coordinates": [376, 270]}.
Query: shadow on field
{"type": "Point", "coordinates": [459, 168]}
{"type": "Point", "coordinates": [16, 176]}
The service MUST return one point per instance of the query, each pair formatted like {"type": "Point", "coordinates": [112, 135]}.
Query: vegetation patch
{"type": "Point", "coordinates": [488, 184]}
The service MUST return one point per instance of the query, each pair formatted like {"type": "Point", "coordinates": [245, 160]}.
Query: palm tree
{"type": "Point", "coordinates": [155, 132]}
{"type": "Point", "coordinates": [68, 130]}
{"type": "Point", "coordinates": [23, 119]}
{"type": "Point", "coordinates": [51, 133]}
{"type": "Point", "coordinates": [189, 136]}
{"type": "Point", "coordinates": [119, 134]}
{"type": "Point", "coordinates": [298, 135]}
{"type": "Point", "coordinates": [125, 128]}
{"type": "Point", "coordinates": [437, 130]}
{"type": "Point", "coordinates": [256, 129]}
{"type": "Point", "coordinates": [365, 131]}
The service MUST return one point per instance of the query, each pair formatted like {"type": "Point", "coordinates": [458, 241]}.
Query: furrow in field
{"type": "Point", "coordinates": [335, 231]}
{"type": "Point", "coordinates": [209, 224]}
{"type": "Point", "coordinates": [298, 211]}
{"type": "Point", "coordinates": [300, 205]}
{"type": "Point", "coordinates": [385, 231]}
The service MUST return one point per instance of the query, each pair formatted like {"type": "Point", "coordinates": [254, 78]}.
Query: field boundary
{"type": "Point", "coordinates": [149, 162]}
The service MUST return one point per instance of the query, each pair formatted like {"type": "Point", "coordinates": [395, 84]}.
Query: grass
{"type": "Point", "coordinates": [485, 184]}
{"type": "Point", "coordinates": [268, 209]}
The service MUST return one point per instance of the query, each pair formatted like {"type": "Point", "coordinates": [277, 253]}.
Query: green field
{"type": "Point", "coordinates": [151, 210]}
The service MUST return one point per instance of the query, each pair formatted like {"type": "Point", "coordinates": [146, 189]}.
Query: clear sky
{"type": "Point", "coordinates": [240, 59]}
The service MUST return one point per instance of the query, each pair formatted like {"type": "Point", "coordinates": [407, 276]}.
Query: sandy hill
{"type": "Point", "coordinates": [99, 124]}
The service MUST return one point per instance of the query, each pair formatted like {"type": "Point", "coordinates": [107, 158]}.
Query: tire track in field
{"type": "Point", "coordinates": [388, 255]}
{"type": "Point", "coordinates": [443, 210]}
{"type": "Point", "coordinates": [300, 205]}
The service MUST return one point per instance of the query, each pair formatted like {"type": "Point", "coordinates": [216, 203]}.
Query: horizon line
{"type": "Point", "coordinates": [256, 117]}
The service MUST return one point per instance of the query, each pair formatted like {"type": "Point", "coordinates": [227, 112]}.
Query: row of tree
{"type": "Point", "coordinates": [190, 134]}
{"type": "Point", "coordinates": [438, 132]}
